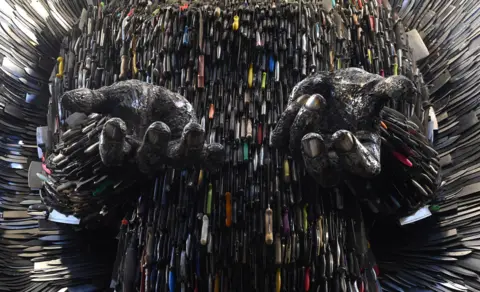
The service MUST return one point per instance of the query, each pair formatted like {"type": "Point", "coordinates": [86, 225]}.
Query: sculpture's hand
{"type": "Point", "coordinates": [332, 122]}
{"type": "Point", "coordinates": [149, 122]}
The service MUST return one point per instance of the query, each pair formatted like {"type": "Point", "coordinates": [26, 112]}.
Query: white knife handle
{"type": "Point", "coordinates": [204, 235]}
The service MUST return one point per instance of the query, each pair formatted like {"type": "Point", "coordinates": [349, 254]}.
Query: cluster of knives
{"type": "Point", "coordinates": [261, 224]}
{"type": "Point", "coordinates": [76, 181]}
{"type": "Point", "coordinates": [440, 253]}
{"type": "Point", "coordinates": [36, 254]}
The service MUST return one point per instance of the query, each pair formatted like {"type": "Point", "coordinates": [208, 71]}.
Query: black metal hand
{"type": "Point", "coordinates": [150, 123]}
{"type": "Point", "coordinates": [332, 120]}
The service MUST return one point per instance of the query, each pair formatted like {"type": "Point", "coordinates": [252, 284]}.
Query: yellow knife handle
{"type": "Point", "coordinates": [60, 67]}
{"type": "Point", "coordinates": [278, 281]}
{"type": "Point", "coordinates": [236, 22]}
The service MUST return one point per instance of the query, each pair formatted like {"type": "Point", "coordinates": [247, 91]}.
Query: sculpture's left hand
{"type": "Point", "coordinates": [332, 121]}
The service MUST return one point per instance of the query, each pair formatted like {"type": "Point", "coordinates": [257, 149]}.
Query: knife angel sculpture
{"type": "Point", "coordinates": [335, 123]}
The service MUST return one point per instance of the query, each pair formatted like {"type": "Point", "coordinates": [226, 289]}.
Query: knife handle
{"type": "Point", "coordinates": [150, 244]}
{"type": "Point", "coordinates": [123, 67]}
{"type": "Point", "coordinates": [201, 72]}
{"type": "Point", "coordinates": [278, 250]}
{"type": "Point", "coordinates": [134, 64]}
{"type": "Point", "coordinates": [268, 226]}
{"type": "Point", "coordinates": [60, 67]}
{"type": "Point", "coordinates": [204, 233]}
{"type": "Point", "coordinates": [37, 207]}
{"type": "Point", "coordinates": [98, 77]}
{"type": "Point", "coordinates": [129, 269]}
{"type": "Point", "coordinates": [278, 281]}
{"type": "Point", "coordinates": [228, 209]}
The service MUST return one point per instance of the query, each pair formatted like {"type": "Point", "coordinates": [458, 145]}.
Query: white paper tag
{"type": "Point", "coordinates": [58, 217]}
{"type": "Point", "coordinates": [415, 42]}
{"type": "Point", "coordinates": [420, 214]}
